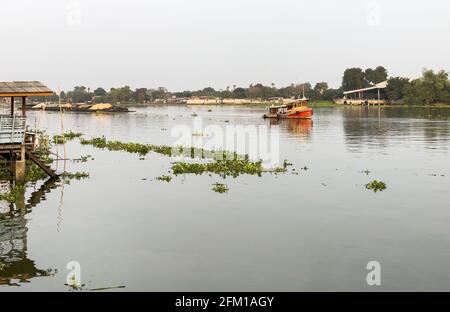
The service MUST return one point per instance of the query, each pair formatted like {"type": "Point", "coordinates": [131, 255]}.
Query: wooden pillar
{"type": "Point", "coordinates": [12, 106]}
{"type": "Point", "coordinates": [19, 166]}
{"type": "Point", "coordinates": [24, 101]}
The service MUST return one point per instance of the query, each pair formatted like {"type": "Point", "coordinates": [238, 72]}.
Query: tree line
{"type": "Point", "coordinates": [432, 87]}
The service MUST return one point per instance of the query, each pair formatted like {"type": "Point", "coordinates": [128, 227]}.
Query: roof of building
{"type": "Point", "coordinates": [24, 88]}
{"type": "Point", "coordinates": [381, 85]}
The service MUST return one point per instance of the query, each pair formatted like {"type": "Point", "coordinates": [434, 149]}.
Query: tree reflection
{"type": "Point", "coordinates": [378, 126]}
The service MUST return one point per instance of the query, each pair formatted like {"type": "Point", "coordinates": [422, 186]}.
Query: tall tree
{"type": "Point", "coordinates": [396, 88]}
{"type": "Point", "coordinates": [354, 78]}
{"type": "Point", "coordinates": [99, 92]}
{"type": "Point", "coordinates": [430, 88]}
{"type": "Point", "coordinates": [376, 75]}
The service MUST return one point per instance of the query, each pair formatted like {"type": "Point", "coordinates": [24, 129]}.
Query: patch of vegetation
{"type": "Point", "coordinates": [228, 163]}
{"type": "Point", "coordinates": [224, 168]}
{"type": "Point", "coordinates": [14, 193]}
{"type": "Point", "coordinates": [84, 159]}
{"type": "Point", "coordinates": [220, 188]}
{"type": "Point", "coordinates": [66, 137]}
{"type": "Point", "coordinates": [75, 175]}
{"type": "Point", "coordinates": [322, 104]}
{"type": "Point", "coordinates": [376, 186]}
{"type": "Point", "coordinates": [34, 173]}
{"type": "Point", "coordinates": [100, 142]}
{"type": "Point", "coordinates": [164, 178]}
{"type": "Point", "coordinates": [144, 149]}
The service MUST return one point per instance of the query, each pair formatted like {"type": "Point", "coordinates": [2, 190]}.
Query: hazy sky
{"type": "Point", "coordinates": [191, 44]}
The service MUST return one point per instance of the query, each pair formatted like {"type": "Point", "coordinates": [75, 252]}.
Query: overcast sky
{"type": "Point", "coordinates": [191, 44]}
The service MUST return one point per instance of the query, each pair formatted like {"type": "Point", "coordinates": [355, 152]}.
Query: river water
{"type": "Point", "coordinates": [311, 231]}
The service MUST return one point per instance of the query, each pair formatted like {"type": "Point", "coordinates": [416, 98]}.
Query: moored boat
{"type": "Point", "coordinates": [297, 109]}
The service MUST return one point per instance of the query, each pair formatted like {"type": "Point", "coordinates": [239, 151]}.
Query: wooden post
{"type": "Point", "coordinates": [12, 106]}
{"type": "Point", "coordinates": [24, 102]}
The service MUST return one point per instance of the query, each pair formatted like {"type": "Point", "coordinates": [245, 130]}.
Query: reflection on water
{"type": "Point", "coordinates": [300, 128]}
{"type": "Point", "coordinates": [15, 266]}
{"type": "Point", "coordinates": [383, 126]}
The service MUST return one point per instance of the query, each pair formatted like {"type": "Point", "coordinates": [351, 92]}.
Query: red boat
{"type": "Point", "coordinates": [297, 109]}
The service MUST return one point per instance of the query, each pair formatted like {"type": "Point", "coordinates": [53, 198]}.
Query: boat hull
{"type": "Point", "coordinates": [303, 114]}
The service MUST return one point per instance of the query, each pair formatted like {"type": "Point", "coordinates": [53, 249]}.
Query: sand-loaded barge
{"type": "Point", "coordinates": [81, 107]}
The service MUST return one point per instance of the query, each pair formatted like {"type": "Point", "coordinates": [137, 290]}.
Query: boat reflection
{"type": "Point", "coordinates": [15, 265]}
{"type": "Point", "coordinates": [301, 128]}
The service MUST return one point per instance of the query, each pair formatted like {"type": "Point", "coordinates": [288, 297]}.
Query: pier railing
{"type": "Point", "coordinates": [12, 129]}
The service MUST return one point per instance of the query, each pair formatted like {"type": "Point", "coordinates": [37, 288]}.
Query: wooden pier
{"type": "Point", "coordinates": [16, 143]}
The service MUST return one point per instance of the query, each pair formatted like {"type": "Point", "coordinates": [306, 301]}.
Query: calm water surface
{"type": "Point", "coordinates": [313, 231]}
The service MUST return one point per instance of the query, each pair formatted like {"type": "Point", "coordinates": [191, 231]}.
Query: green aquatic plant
{"type": "Point", "coordinates": [66, 137]}
{"type": "Point", "coordinates": [144, 149]}
{"type": "Point", "coordinates": [34, 173]}
{"type": "Point", "coordinates": [75, 175]}
{"type": "Point", "coordinates": [164, 178]}
{"type": "Point", "coordinates": [44, 142]}
{"type": "Point", "coordinates": [84, 159]}
{"type": "Point", "coordinates": [220, 188]}
{"type": "Point", "coordinates": [14, 193]}
{"type": "Point", "coordinates": [376, 186]}
{"type": "Point", "coordinates": [224, 168]}
{"type": "Point", "coordinates": [101, 142]}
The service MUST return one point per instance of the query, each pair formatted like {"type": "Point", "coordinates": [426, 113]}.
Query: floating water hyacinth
{"type": "Point", "coordinates": [220, 188]}
{"type": "Point", "coordinates": [376, 186]}
{"type": "Point", "coordinates": [66, 137]}
{"type": "Point", "coordinates": [164, 178]}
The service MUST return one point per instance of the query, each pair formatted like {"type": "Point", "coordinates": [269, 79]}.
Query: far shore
{"type": "Point", "coordinates": [267, 104]}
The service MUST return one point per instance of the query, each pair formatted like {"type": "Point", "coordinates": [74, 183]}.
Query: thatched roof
{"type": "Point", "coordinates": [24, 88]}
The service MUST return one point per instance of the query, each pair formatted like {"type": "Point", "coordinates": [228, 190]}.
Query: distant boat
{"type": "Point", "coordinates": [297, 109]}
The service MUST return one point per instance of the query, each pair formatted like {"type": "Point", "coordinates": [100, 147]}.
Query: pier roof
{"type": "Point", "coordinates": [24, 88]}
{"type": "Point", "coordinates": [381, 85]}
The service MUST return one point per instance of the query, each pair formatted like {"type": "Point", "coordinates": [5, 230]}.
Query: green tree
{"type": "Point", "coordinates": [121, 95]}
{"type": "Point", "coordinates": [396, 88]}
{"type": "Point", "coordinates": [79, 95]}
{"type": "Point", "coordinates": [99, 92]}
{"type": "Point", "coordinates": [354, 78]}
{"type": "Point", "coordinates": [239, 93]}
{"type": "Point", "coordinates": [430, 88]}
{"type": "Point", "coordinates": [319, 89]}
{"type": "Point", "coordinates": [141, 95]}
{"type": "Point", "coordinates": [376, 75]}
{"type": "Point", "coordinates": [160, 93]}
